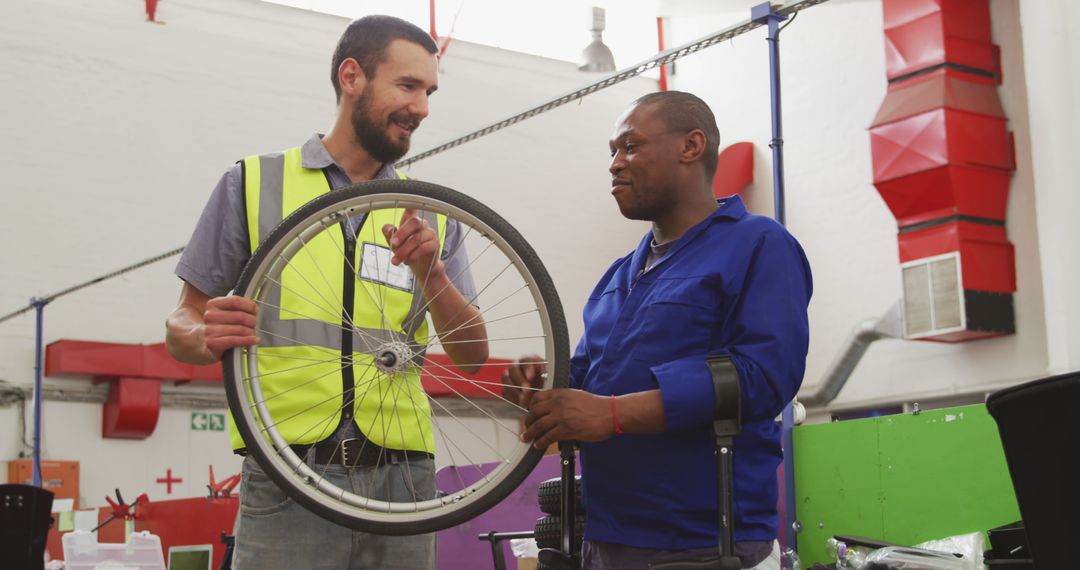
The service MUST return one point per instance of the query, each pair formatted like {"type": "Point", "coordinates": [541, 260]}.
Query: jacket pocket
{"type": "Point", "coordinates": [682, 319]}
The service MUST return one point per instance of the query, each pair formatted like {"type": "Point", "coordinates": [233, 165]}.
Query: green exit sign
{"type": "Point", "coordinates": [203, 421]}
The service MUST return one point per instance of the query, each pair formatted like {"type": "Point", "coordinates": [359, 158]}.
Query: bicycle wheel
{"type": "Point", "coordinates": [468, 426]}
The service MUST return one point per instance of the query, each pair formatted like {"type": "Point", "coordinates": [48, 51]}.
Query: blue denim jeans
{"type": "Point", "coordinates": [275, 533]}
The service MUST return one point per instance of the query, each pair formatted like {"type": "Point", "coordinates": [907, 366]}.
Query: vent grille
{"type": "Point", "coordinates": [933, 298]}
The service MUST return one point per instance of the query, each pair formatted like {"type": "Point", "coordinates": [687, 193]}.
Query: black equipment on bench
{"type": "Point", "coordinates": [25, 518]}
{"type": "Point", "coordinates": [1038, 427]}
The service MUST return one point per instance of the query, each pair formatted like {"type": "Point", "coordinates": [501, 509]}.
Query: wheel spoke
{"type": "Point", "coordinates": [474, 404]}
{"type": "Point", "coordinates": [481, 384]}
{"type": "Point", "coordinates": [355, 329]}
{"type": "Point", "coordinates": [318, 266]}
{"type": "Point", "coordinates": [351, 232]}
{"type": "Point", "coordinates": [293, 369]}
{"type": "Point", "coordinates": [468, 266]}
{"type": "Point", "coordinates": [491, 340]}
{"type": "Point", "coordinates": [476, 321]}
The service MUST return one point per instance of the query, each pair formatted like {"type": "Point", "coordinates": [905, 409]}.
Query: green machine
{"type": "Point", "coordinates": [905, 478]}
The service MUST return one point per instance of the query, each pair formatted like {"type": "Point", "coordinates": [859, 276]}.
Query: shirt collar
{"type": "Point", "coordinates": [313, 155]}
{"type": "Point", "coordinates": [731, 207]}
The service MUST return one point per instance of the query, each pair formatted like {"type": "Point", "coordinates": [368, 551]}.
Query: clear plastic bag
{"type": "Point", "coordinates": [968, 545]}
{"type": "Point", "coordinates": [524, 548]}
{"type": "Point", "coordinates": [905, 558]}
{"type": "Point", "coordinates": [789, 560]}
{"type": "Point", "coordinates": [961, 552]}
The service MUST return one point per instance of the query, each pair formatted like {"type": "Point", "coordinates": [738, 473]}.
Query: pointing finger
{"type": "Point", "coordinates": [408, 214]}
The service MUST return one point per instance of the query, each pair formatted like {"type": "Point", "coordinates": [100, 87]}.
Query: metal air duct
{"type": "Point", "coordinates": [943, 160]}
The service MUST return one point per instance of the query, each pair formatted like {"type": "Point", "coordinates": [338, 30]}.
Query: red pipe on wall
{"type": "Point", "coordinates": [943, 160]}
{"type": "Point", "coordinates": [434, 35]}
{"type": "Point", "coordinates": [660, 45]}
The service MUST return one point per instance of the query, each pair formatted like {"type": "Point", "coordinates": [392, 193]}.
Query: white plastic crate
{"type": "Point", "coordinates": [142, 551]}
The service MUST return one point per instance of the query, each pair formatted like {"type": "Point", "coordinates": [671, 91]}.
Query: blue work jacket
{"type": "Point", "coordinates": [735, 284]}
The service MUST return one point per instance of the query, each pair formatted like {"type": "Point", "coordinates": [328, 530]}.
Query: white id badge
{"type": "Point", "coordinates": [375, 266]}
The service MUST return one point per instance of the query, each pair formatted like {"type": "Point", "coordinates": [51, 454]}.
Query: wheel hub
{"type": "Point", "coordinates": [393, 357]}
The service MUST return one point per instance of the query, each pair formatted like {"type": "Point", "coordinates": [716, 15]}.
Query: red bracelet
{"type": "Point", "coordinates": [614, 417]}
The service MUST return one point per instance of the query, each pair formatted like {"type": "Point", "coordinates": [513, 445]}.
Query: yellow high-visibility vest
{"type": "Point", "coordinates": [300, 345]}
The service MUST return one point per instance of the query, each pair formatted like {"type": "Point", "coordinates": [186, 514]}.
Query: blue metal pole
{"type": "Point", "coordinates": [765, 12]}
{"type": "Point", "coordinates": [777, 142]}
{"type": "Point", "coordinates": [39, 308]}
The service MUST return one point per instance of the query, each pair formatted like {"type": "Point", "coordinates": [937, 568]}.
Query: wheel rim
{"type": "Point", "coordinates": [522, 315]}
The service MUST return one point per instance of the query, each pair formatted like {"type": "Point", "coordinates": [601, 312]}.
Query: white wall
{"type": "Point", "coordinates": [116, 130]}
{"type": "Point", "coordinates": [833, 77]}
{"type": "Point", "coordinates": [1052, 55]}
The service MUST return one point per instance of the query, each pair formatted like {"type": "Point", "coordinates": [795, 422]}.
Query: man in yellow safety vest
{"type": "Point", "coordinates": [383, 72]}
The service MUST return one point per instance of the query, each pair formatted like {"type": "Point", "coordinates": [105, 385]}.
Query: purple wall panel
{"type": "Point", "coordinates": [460, 549]}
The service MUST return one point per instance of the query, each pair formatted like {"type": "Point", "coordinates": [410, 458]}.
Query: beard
{"type": "Point", "coordinates": [374, 136]}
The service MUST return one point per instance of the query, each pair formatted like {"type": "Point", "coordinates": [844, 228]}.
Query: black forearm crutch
{"type": "Point", "coordinates": [726, 425]}
{"type": "Point", "coordinates": [727, 421]}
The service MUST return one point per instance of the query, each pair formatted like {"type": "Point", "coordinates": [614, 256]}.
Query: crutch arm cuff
{"type": "Point", "coordinates": [725, 377]}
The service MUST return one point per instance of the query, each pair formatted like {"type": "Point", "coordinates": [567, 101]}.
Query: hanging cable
{"type": "Point", "coordinates": [661, 58]}
{"type": "Point", "coordinates": [50, 298]}
{"type": "Point", "coordinates": [10, 395]}
{"type": "Point", "coordinates": [793, 16]}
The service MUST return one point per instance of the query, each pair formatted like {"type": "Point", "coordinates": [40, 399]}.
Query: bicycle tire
{"type": "Point", "coordinates": [258, 427]}
{"type": "Point", "coordinates": [548, 532]}
{"type": "Point", "coordinates": [549, 495]}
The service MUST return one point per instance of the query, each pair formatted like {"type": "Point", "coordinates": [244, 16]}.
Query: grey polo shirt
{"type": "Point", "coordinates": [219, 248]}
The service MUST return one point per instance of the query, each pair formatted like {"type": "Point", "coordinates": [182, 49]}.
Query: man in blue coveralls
{"type": "Point", "coordinates": [709, 279]}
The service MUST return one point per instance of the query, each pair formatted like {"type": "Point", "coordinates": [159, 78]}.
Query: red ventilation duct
{"type": "Point", "coordinates": [943, 160]}
{"type": "Point", "coordinates": [734, 169]}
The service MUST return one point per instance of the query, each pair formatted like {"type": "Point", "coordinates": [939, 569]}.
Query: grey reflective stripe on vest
{"type": "Point", "coordinates": [313, 332]}
{"type": "Point", "coordinates": [303, 332]}
{"type": "Point", "coordinates": [271, 185]}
